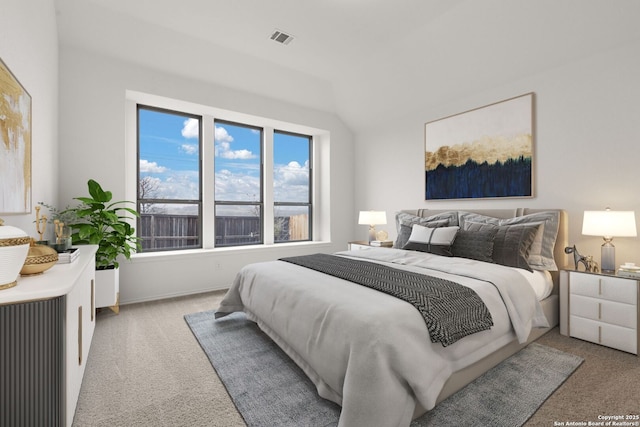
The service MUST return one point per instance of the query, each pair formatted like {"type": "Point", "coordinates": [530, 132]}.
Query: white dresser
{"type": "Point", "coordinates": [46, 326]}
{"type": "Point", "coordinates": [600, 308]}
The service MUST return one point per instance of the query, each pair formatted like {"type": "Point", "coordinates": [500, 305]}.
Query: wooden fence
{"type": "Point", "coordinates": [164, 231]}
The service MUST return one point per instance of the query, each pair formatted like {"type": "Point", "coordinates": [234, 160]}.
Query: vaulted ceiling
{"type": "Point", "coordinates": [365, 60]}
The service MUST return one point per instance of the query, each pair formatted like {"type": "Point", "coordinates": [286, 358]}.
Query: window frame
{"type": "Point", "coordinates": [260, 203]}
{"type": "Point", "coordinates": [320, 215]}
{"type": "Point", "coordinates": [198, 202]}
{"type": "Point", "coordinates": [309, 203]}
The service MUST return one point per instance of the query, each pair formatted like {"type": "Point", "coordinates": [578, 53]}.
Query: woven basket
{"type": "Point", "coordinates": [40, 258]}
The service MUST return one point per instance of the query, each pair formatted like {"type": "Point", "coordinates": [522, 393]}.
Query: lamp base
{"type": "Point", "coordinates": [608, 257]}
{"type": "Point", "coordinates": [372, 233]}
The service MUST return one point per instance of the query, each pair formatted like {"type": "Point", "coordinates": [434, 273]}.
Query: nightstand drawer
{"type": "Point", "coordinates": [604, 287]}
{"type": "Point", "coordinates": [604, 311]}
{"type": "Point", "coordinates": [624, 339]}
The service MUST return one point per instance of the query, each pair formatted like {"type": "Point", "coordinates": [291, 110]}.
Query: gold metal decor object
{"type": "Point", "coordinates": [8, 285]}
{"type": "Point", "coordinates": [40, 220]}
{"type": "Point", "coordinates": [39, 259]}
{"type": "Point", "coordinates": [58, 227]}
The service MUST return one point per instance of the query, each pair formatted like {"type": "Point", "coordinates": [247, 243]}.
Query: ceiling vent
{"type": "Point", "coordinates": [281, 37]}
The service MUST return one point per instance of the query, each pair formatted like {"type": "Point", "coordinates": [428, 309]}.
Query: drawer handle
{"type": "Point", "coordinates": [93, 299]}
{"type": "Point", "coordinates": [599, 286]}
{"type": "Point", "coordinates": [80, 335]}
{"type": "Point", "coordinates": [599, 311]}
{"type": "Point", "coordinates": [599, 334]}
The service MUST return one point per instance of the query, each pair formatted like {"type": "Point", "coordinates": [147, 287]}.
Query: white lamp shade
{"type": "Point", "coordinates": [372, 217]}
{"type": "Point", "coordinates": [609, 223]}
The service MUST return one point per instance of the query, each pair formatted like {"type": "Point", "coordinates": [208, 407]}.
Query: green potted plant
{"type": "Point", "coordinates": [104, 223]}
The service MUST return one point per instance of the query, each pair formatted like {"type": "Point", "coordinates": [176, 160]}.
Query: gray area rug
{"type": "Point", "coordinates": [269, 389]}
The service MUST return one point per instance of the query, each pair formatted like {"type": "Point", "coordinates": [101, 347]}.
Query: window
{"type": "Point", "coordinates": [205, 181]}
{"type": "Point", "coordinates": [238, 184]}
{"type": "Point", "coordinates": [291, 187]}
{"type": "Point", "coordinates": [169, 196]}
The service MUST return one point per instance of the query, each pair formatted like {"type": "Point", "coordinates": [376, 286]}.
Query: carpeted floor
{"type": "Point", "coordinates": [145, 368]}
{"type": "Point", "coordinates": [269, 389]}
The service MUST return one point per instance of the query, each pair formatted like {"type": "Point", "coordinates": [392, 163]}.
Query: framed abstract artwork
{"type": "Point", "coordinates": [15, 144]}
{"type": "Point", "coordinates": [482, 153]}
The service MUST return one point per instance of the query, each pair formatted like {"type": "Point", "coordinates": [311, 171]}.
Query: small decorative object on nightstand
{"type": "Point", "coordinates": [381, 243]}
{"type": "Point", "coordinates": [630, 270]}
{"type": "Point", "coordinates": [609, 224]}
{"type": "Point", "coordinates": [600, 308]}
{"type": "Point", "coordinates": [382, 235]}
{"type": "Point", "coordinates": [586, 260]}
{"type": "Point", "coordinates": [372, 218]}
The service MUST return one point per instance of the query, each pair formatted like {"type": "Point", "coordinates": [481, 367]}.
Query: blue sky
{"type": "Point", "coordinates": [169, 155]}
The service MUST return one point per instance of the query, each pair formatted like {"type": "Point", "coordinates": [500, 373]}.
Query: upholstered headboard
{"type": "Point", "coordinates": [562, 239]}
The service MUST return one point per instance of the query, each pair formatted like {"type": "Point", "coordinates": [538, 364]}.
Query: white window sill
{"type": "Point", "coordinates": [248, 249]}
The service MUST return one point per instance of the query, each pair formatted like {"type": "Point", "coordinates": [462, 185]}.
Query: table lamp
{"type": "Point", "coordinates": [372, 218]}
{"type": "Point", "coordinates": [609, 224]}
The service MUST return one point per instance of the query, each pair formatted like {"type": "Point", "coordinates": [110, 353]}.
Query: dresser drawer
{"type": "Point", "coordinates": [604, 287]}
{"type": "Point", "coordinates": [624, 339]}
{"type": "Point", "coordinates": [604, 311]}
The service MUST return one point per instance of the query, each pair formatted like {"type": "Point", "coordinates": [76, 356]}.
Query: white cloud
{"type": "Point", "coordinates": [151, 167]}
{"type": "Point", "coordinates": [189, 149]}
{"type": "Point", "coordinates": [177, 185]}
{"type": "Point", "coordinates": [235, 187]}
{"type": "Point", "coordinates": [234, 154]}
{"type": "Point", "coordinates": [291, 182]}
{"type": "Point", "coordinates": [223, 147]}
{"type": "Point", "coordinates": [183, 185]}
{"type": "Point", "coordinates": [153, 181]}
{"type": "Point", "coordinates": [292, 174]}
{"type": "Point", "coordinates": [222, 135]}
{"type": "Point", "coordinates": [191, 128]}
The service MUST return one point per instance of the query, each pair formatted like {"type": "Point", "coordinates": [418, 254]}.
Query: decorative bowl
{"type": "Point", "coordinates": [14, 246]}
{"type": "Point", "coordinates": [39, 259]}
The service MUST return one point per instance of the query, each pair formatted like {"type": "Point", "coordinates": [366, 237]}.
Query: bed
{"type": "Point", "coordinates": [384, 361]}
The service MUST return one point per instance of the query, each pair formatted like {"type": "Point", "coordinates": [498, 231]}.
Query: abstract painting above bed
{"type": "Point", "coordinates": [483, 153]}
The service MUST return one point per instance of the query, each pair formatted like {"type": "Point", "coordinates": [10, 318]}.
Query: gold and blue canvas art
{"type": "Point", "coordinates": [15, 144]}
{"type": "Point", "coordinates": [482, 153]}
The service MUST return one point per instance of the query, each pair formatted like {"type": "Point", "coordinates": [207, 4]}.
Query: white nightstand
{"type": "Point", "coordinates": [357, 245]}
{"type": "Point", "coordinates": [600, 308]}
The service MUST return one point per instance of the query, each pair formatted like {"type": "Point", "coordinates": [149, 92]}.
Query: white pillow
{"type": "Point", "coordinates": [433, 240]}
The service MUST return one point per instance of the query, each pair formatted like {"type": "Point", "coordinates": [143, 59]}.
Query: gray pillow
{"type": "Point", "coordinates": [541, 252]}
{"type": "Point", "coordinates": [511, 244]}
{"type": "Point", "coordinates": [404, 222]}
{"type": "Point", "coordinates": [476, 245]}
{"type": "Point", "coordinates": [541, 255]}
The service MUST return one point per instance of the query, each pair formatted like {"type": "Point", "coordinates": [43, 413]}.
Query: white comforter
{"type": "Point", "coordinates": [370, 352]}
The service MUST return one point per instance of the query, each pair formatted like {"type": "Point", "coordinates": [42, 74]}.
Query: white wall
{"type": "Point", "coordinates": [586, 141]}
{"type": "Point", "coordinates": [92, 135]}
{"type": "Point", "coordinates": [587, 135]}
{"type": "Point", "coordinates": [29, 48]}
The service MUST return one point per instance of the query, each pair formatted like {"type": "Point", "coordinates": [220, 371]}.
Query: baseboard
{"type": "Point", "coordinates": [172, 295]}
